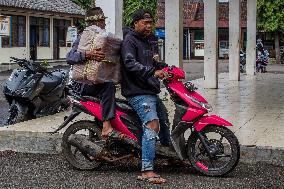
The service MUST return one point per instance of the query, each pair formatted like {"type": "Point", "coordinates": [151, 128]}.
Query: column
{"type": "Point", "coordinates": [51, 37]}
{"type": "Point", "coordinates": [189, 44]}
{"type": "Point", "coordinates": [211, 44]}
{"type": "Point", "coordinates": [174, 32]}
{"type": "Point", "coordinates": [234, 40]}
{"type": "Point", "coordinates": [251, 37]}
{"type": "Point", "coordinates": [113, 10]}
{"type": "Point", "coordinates": [28, 36]}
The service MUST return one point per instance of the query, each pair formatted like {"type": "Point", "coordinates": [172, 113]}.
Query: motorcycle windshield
{"type": "Point", "coordinates": [16, 79]}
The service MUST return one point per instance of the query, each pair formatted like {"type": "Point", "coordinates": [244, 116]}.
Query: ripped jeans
{"type": "Point", "coordinates": [147, 107]}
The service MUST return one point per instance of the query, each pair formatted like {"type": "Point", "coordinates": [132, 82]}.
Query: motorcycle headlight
{"type": "Point", "coordinates": [204, 105]}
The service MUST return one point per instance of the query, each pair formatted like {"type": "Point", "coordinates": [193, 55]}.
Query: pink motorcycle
{"type": "Point", "coordinates": [211, 148]}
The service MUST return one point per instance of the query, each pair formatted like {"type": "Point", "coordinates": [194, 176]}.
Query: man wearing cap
{"type": "Point", "coordinates": [140, 85]}
{"type": "Point", "coordinates": [104, 91]}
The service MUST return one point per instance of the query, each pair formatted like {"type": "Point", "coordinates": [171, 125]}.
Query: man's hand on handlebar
{"type": "Point", "coordinates": [161, 74]}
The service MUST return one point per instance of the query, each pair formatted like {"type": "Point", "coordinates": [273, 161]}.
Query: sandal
{"type": "Point", "coordinates": [153, 179]}
{"type": "Point", "coordinates": [116, 135]}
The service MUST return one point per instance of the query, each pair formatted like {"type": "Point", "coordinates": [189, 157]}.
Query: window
{"type": "Point", "coordinates": [40, 33]}
{"type": "Point", "coordinates": [199, 34]}
{"type": "Point", "coordinates": [17, 36]}
{"type": "Point", "coordinates": [61, 27]}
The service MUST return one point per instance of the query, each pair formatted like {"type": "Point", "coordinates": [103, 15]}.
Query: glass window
{"type": "Point", "coordinates": [62, 27]}
{"type": "Point", "coordinates": [17, 36]}
{"type": "Point", "coordinates": [40, 33]}
{"type": "Point", "coordinates": [199, 34]}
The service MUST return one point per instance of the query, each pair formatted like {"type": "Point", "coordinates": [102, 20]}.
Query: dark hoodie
{"type": "Point", "coordinates": [138, 66]}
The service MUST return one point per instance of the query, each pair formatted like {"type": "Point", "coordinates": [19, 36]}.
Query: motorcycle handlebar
{"type": "Point", "coordinates": [17, 59]}
{"type": "Point", "coordinates": [29, 65]}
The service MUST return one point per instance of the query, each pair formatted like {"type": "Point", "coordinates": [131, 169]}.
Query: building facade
{"type": "Point", "coordinates": [37, 29]}
{"type": "Point", "coordinates": [193, 38]}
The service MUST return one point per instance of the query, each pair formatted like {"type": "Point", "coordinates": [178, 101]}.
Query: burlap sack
{"type": "Point", "coordinates": [99, 72]}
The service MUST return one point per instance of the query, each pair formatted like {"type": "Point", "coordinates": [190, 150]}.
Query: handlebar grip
{"type": "Point", "coordinates": [14, 58]}
{"type": "Point", "coordinates": [17, 59]}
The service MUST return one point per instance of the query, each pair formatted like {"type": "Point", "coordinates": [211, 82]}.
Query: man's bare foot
{"type": "Point", "coordinates": [107, 128]}
{"type": "Point", "coordinates": [105, 132]}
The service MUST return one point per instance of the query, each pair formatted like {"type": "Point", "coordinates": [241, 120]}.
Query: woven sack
{"type": "Point", "coordinates": [99, 72]}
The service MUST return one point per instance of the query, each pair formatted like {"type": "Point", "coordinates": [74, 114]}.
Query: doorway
{"type": "Point", "coordinates": [60, 28]}
{"type": "Point", "coordinates": [33, 42]}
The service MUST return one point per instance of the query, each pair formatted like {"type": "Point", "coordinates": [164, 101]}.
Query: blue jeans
{"type": "Point", "coordinates": [149, 108]}
{"type": "Point", "coordinates": [164, 134]}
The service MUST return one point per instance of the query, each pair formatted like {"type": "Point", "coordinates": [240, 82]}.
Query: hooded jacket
{"type": "Point", "coordinates": [138, 66]}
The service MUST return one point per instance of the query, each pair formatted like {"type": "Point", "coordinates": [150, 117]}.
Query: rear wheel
{"type": "Point", "coordinates": [77, 159]}
{"type": "Point", "coordinates": [226, 147]}
{"type": "Point", "coordinates": [18, 112]}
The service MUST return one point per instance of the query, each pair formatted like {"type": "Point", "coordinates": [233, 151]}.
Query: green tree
{"type": "Point", "coordinates": [85, 4]}
{"type": "Point", "coordinates": [130, 6]}
{"type": "Point", "coordinates": [270, 18]}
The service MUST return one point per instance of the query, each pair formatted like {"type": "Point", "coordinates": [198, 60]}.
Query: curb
{"type": "Point", "coordinates": [257, 154]}
{"type": "Point", "coordinates": [30, 142]}
{"type": "Point", "coordinates": [45, 143]}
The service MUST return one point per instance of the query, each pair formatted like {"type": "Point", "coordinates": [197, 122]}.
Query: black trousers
{"type": "Point", "coordinates": [105, 92]}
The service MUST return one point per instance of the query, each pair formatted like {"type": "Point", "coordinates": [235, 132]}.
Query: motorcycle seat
{"type": "Point", "coordinates": [123, 105]}
{"type": "Point", "coordinates": [91, 98]}
{"type": "Point", "coordinates": [50, 82]}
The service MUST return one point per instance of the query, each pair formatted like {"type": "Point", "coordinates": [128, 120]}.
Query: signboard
{"type": "Point", "coordinates": [71, 34]}
{"type": "Point", "coordinates": [4, 25]}
{"type": "Point", "coordinates": [160, 33]}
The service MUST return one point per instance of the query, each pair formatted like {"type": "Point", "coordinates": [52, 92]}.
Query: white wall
{"type": "Point", "coordinates": [113, 10]}
{"type": "Point", "coordinates": [6, 53]}
{"type": "Point", "coordinates": [63, 51]}
{"type": "Point", "coordinates": [44, 53]}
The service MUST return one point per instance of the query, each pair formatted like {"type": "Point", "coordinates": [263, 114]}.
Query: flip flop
{"type": "Point", "coordinates": [153, 179]}
{"type": "Point", "coordinates": [116, 135]}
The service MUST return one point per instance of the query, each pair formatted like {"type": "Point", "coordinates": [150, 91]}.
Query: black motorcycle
{"type": "Point", "coordinates": [32, 91]}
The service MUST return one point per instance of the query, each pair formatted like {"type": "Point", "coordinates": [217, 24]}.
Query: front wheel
{"type": "Point", "coordinates": [226, 151]}
{"type": "Point", "coordinates": [18, 112]}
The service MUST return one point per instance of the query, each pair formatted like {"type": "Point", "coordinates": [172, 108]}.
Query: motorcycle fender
{"type": "Point", "coordinates": [66, 121]}
{"type": "Point", "coordinates": [210, 120]}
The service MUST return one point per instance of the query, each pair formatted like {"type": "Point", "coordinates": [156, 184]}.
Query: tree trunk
{"type": "Point", "coordinates": [277, 48]}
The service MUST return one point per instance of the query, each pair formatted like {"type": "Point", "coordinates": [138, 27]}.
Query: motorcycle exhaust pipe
{"type": "Point", "coordinates": [86, 146]}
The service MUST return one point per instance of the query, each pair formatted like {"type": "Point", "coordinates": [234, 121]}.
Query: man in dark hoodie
{"type": "Point", "coordinates": [140, 85]}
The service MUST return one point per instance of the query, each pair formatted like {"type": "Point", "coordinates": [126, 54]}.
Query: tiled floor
{"type": "Point", "coordinates": [255, 106]}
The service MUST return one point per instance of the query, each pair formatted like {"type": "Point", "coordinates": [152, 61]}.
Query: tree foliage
{"type": "Point", "coordinates": [130, 6]}
{"type": "Point", "coordinates": [270, 15]}
{"type": "Point", "coordinates": [85, 4]}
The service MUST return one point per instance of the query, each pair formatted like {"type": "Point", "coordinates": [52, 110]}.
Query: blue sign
{"type": "Point", "coordinates": [160, 33]}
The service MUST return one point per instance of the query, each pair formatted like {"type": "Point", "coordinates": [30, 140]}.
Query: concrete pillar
{"type": "Point", "coordinates": [28, 36]}
{"type": "Point", "coordinates": [211, 44]}
{"type": "Point", "coordinates": [234, 40]}
{"type": "Point", "coordinates": [251, 37]}
{"type": "Point", "coordinates": [51, 27]}
{"type": "Point", "coordinates": [189, 45]}
{"type": "Point", "coordinates": [174, 32]}
{"type": "Point", "coordinates": [113, 10]}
